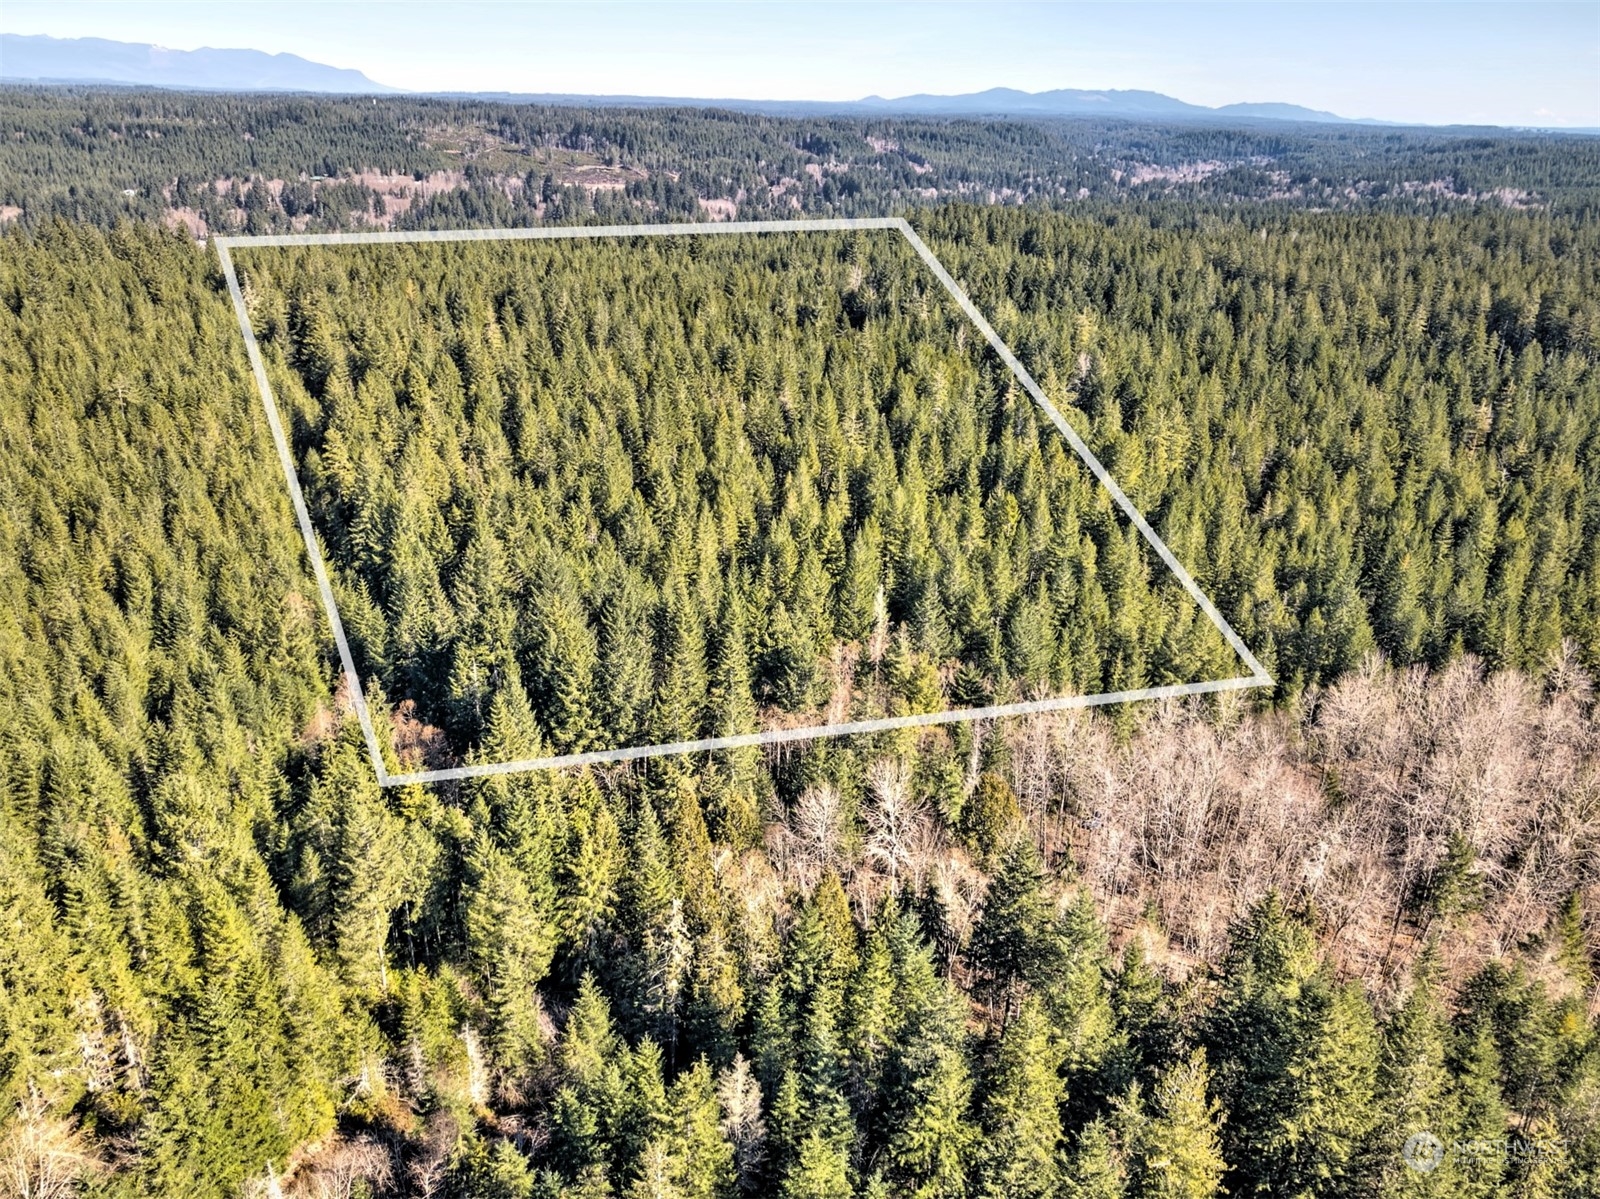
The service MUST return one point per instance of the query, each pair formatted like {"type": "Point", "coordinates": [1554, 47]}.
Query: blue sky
{"type": "Point", "coordinates": [1509, 63]}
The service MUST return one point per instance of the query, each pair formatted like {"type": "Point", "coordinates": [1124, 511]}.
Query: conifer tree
{"type": "Point", "coordinates": [1016, 946]}
{"type": "Point", "coordinates": [1517, 1014]}
{"type": "Point", "coordinates": [1097, 1167]}
{"type": "Point", "coordinates": [1176, 1153]}
{"type": "Point", "coordinates": [820, 1171]}
{"type": "Point", "coordinates": [623, 672]}
{"type": "Point", "coordinates": [680, 694]}
{"type": "Point", "coordinates": [706, 1156]}
{"type": "Point", "coordinates": [1475, 1069]}
{"type": "Point", "coordinates": [1022, 1133]}
{"type": "Point", "coordinates": [493, 1169]}
{"type": "Point", "coordinates": [1414, 1093]}
{"type": "Point", "coordinates": [657, 968]}
{"type": "Point", "coordinates": [926, 1123]}
{"type": "Point", "coordinates": [1143, 1016]}
{"type": "Point", "coordinates": [1296, 1061]}
{"type": "Point", "coordinates": [567, 656]}
{"type": "Point", "coordinates": [734, 813]}
{"type": "Point", "coordinates": [366, 872]}
{"type": "Point", "coordinates": [589, 1102]}
{"type": "Point", "coordinates": [588, 878]}
{"type": "Point", "coordinates": [643, 1117]}
{"type": "Point", "coordinates": [873, 1017]}
{"type": "Point", "coordinates": [510, 948]}
{"type": "Point", "coordinates": [1078, 996]}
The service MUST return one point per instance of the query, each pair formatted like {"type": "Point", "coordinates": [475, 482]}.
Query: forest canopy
{"type": "Point", "coordinates": [266, 163]}
{"type": "Point", "coordinates": [1242, 947]}
{"type": "Point", "coordinates": [687, 487]}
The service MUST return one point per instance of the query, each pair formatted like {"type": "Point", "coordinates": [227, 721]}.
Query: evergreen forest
{"type": "Point", "coordinates": [580, 493]}
{"type": "Point", "coordinates": [697, 488]}
{"type": "Point", "coordinates": [267, 163]}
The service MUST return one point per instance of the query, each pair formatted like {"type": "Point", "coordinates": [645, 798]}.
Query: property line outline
{"type": "Point", "coordinates": [319, 569]}
{"type": "Point", "coordinates": [225, 244]}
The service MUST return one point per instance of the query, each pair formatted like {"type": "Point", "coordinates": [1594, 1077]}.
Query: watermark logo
{"type": "Point", "coordinates": [1423, 1151]}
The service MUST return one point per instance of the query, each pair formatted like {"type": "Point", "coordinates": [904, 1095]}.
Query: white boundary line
{"type": "Point", "coordinates": [225, 245]}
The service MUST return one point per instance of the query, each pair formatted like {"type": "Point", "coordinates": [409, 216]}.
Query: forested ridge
{"type": "Point", "coordinates": [260, 163]}
{"type": "Point", "coordinates": [1167, 951]}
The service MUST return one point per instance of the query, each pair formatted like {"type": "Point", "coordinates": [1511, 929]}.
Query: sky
{"type": "Point", "coordinates": [1507, 63]}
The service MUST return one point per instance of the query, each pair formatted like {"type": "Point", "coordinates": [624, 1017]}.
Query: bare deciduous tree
{"type": "Point", "coordinates": [899, 832]}
{"type": "Point", "coordinates": [1354, 804]}
{"type": "Point", "coordinates": [43, 1156]}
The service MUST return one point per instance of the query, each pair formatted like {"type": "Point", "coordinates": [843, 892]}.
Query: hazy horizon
{"type": "Point", "coordinates": [1424, 63]}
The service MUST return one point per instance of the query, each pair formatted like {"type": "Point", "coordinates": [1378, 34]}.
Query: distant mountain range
{"type": "Point", "coordinates": [96, 60]}
{"type": "Point", "coordinates": [1075, 102]}
{"type": "Point", "coordinates": [996, 102]}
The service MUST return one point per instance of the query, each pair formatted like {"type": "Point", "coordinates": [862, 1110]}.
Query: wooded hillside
{"type": "Point", "coordinates": [260, 163]}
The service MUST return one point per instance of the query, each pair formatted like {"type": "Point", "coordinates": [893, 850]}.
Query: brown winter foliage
{"type": "Point", "coordinates": [1348, 803]}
